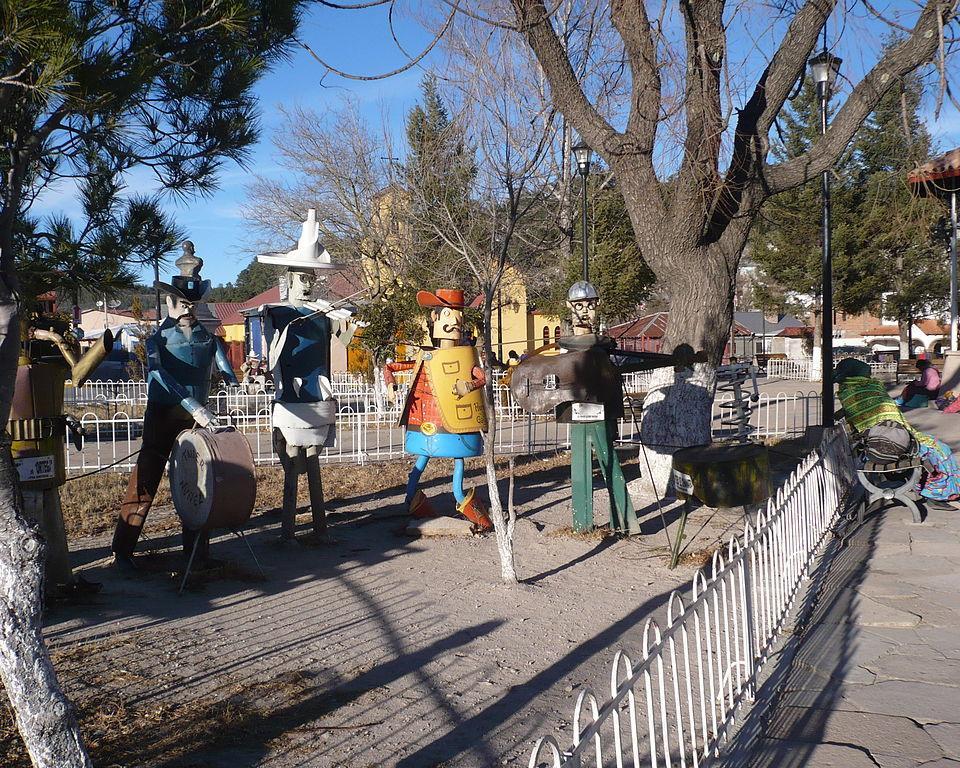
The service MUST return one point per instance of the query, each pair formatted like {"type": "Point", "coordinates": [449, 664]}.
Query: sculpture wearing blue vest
{"type": "Point", "coordinates": [181, 355]}
{"type": "Point", "coordinates": [299, 333]}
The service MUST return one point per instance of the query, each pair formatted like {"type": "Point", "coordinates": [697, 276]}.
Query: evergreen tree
{"type": "Point", "coordinates": [897, 228]}
{"type": "Point", "coordinates": [254, 278]}
{"type": "Point", "coordinates": [617, 269]}
{"type": "Point", "coordinates": [440, 172]}
{"type": "Point", "coordinates": [787, 241]}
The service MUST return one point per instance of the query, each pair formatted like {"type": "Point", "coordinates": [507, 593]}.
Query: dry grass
{"type": "Point", "coordinates": [597, 534]}
{"type": "Point", "coordinates": [121, 727]}
{"type": "Point", "coordinates": [91, 504]}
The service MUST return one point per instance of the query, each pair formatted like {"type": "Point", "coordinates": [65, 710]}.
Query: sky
{"type": "Point", "coordinates": [359, 42]}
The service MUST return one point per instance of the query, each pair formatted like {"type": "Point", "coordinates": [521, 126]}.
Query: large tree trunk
{"type": "Point", "coordinates": [678, 408]}
{"type": "Point", "coordinates": [44, 716]}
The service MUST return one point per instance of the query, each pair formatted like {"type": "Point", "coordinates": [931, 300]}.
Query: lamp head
{"type": "Point", "coordinates": [825, 67]}
{"type": "Point", "coordinates": [583, 156]}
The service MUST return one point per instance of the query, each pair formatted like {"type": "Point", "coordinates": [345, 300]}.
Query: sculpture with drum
{"type": "Point", "coordinates": [181, 355]}
{"type": "Point", "coordinates": [300, 332]}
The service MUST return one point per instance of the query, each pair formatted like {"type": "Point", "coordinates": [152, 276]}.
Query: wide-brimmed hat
{"type": "Point", "coordinates": [188, 285]}
{"type": "Point", "coordinates": [444, 297]}
{"type": "Point", "coordinates": [309, 253]}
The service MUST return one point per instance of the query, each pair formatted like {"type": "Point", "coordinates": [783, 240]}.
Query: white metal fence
{"type": "Point", "coordinates": [677, 704]}
{"type": "Point", "coordinates": [367, 429]}
{"type": "Point", "coordinates": [809, 370]}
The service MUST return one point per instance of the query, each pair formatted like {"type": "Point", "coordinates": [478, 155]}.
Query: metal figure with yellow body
{"type": "Point", "coordinates": [444, 412]}
{"type": "Point", "coordinates": [38, 428]}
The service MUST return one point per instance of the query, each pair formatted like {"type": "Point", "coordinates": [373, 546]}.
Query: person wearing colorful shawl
{"type": "Point", "coordinates": [866, 403]}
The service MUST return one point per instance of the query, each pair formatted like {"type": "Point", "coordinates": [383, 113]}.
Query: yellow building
{"type": "Point", "coordinates": [514, 325]}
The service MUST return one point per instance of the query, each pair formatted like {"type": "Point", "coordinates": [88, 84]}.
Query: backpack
{"type": "Point", "coordinates": [887, 442]}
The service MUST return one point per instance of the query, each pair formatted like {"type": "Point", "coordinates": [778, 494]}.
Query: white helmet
{"type": "Point", "coordinates": [581, 290]}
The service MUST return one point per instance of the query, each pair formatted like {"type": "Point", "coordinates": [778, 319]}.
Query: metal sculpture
{"type": "Point", "coordinates": [180, 359]}
{"type": "Point", "coordinates": [582, 385]}
{"type": "Point", "coordinates": [304, 408]}
{"type": "Point", "coordinates": [444, 412]}
{"type": "Point", "coordinates": [38, 428]}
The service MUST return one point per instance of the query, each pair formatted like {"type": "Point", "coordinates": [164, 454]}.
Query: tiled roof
{"type": "Point", "coordinates": [945, 168]}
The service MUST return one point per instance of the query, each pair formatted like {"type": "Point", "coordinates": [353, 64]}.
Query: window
{"type": "Point", "coordinates": [546, 334]}
{"type": "Point", "coordinates": [556, 333]}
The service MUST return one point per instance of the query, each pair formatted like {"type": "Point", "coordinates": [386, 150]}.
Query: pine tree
{"type": "Point", "coordinates": [440, 173]}
{"type": "Point", "coordinates": [787, 241]}
{"type": "Point", "coordinates": [896, 228]}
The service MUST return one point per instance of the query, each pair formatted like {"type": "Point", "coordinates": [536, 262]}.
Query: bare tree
{"type": "Point", "coordinates": [691, 216]}
{"type": "Point", "coordinates": [512, 130]}
{"type": "Point", "coordinates": [337, 163]}
{"type": "Point", "coordinates": [689, 145]}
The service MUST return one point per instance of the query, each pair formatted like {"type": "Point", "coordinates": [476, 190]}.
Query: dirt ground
{"type": "Point", "coordinates": [377, 650]}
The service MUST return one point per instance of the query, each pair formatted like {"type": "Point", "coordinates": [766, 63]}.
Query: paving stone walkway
{"type": "Point", "coordinates": [871, 675]}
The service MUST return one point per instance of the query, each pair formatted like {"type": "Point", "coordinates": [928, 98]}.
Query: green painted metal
{"type": "Point", "coordinates": [598, 437]}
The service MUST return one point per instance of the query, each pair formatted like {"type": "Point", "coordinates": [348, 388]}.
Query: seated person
{"type": "Point", "coordinates": [866, 403]}
{"type": "Point", "coordinates": [927, 385]}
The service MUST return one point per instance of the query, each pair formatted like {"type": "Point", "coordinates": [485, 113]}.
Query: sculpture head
{"type": "Point", "coordinates": [187, 289]}
{"type": "Point", "coordinates": [446, 313]}
{"type": "Point", "coordinates": [582, 301]}
{"type": "Point", "coordinates": [300, 284]}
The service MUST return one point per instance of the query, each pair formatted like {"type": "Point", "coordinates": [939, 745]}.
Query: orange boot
{"type": "Point", "coordinates": [474, 510]}
{"type": "Point", "coordinates": [420, 506]}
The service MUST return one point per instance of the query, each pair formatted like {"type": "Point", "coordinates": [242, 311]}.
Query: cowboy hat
{"type": "Point", "coordinates": [444, 297]}
{"type": "Point", "coordinates": [309, 253]}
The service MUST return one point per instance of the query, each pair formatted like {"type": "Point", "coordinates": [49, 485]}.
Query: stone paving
{"type": "Point", "coordinates": [870, 674]}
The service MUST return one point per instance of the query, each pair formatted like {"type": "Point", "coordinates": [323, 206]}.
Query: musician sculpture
{"type": "Point", "coordinates": [444, 411]}
{"type": "Point", "coordinates": [304, 409]}
{"type": "Point", "coordinates": [38, 428]}
{"type": "Point", "coordinates": [180, 358]}
{"type": "Point", "coordinates": [582, 385]}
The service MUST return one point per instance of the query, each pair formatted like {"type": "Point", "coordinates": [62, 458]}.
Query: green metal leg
{"type": "Point", "coordinates": [581, 477]}
{"type": "Point", "coordinates": [622, 515]}
{"type": "Point", "coordinates": [678, 542]}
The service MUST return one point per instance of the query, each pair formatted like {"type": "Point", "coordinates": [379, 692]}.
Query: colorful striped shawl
{"type": "Point", "coordinates": [866, 403]}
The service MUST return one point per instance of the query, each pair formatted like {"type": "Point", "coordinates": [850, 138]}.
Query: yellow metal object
{"type": "Point", "coordinates": [445, 367]}
{"type": "Point", "coordinates": [428, 428]}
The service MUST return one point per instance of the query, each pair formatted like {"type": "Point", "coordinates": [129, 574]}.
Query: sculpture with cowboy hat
{"type": "Point", "coordinates": [299, 332]}
{"type": "Point", "coordinates": [180, 358]}
{"type": "Point", "coordinates": [444, 412]}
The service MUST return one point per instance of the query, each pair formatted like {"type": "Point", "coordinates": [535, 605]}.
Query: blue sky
{"type": "Point", "coordinates": [359, 41]}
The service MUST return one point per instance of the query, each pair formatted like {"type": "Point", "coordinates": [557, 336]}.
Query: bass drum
{"type": "Point", "coordinates": [212, 479]}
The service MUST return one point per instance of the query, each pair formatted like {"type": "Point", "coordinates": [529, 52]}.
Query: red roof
{"type": "Point", "coordinates": [796, 332]}
{"type": "Point", "coordinates": [932, 327]}
{"type": "Point", "coordinates": [882, 330]}
{"type": "Point", "coordinates": [940, 175]}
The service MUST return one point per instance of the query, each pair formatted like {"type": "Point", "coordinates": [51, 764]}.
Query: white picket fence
{"type": "Point", "coordinates": [676, 702]}
{"type": "Point", "coordinates": [367, 428]}
{"type": "Point", "coordinates": [805, 369]}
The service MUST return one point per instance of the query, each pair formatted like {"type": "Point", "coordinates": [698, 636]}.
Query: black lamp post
{"type": "Point", "coordinates": [825, 67]}
{"type": "Point", "coordinates": [583, 155]}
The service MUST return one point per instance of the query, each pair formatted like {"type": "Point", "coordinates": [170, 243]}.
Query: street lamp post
{"type": "Point", "coordinates": [825, 68]}
{"type": "Point", "coordinates": [583, 155]}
